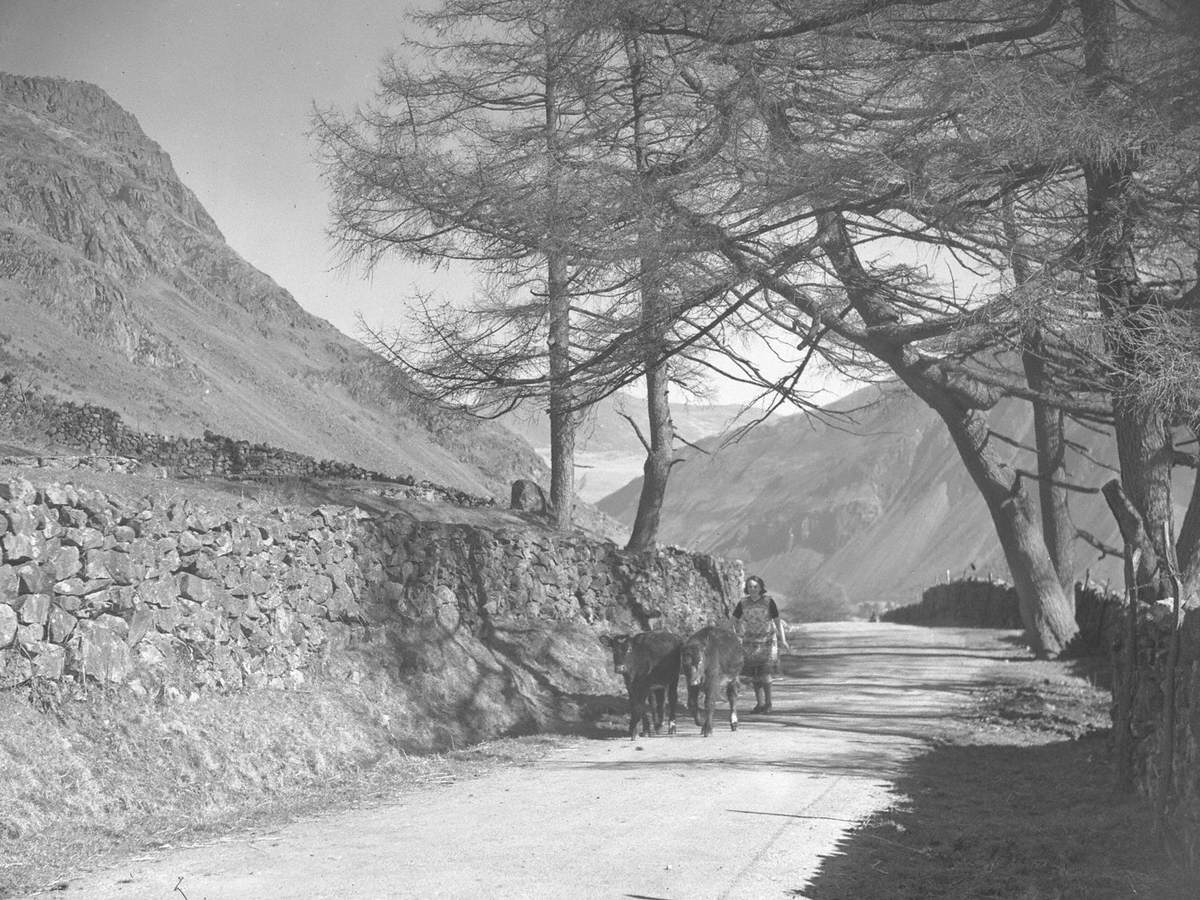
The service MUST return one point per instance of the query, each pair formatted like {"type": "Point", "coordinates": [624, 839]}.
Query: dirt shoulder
{"type": "Point", "coordinates": [899, 762]}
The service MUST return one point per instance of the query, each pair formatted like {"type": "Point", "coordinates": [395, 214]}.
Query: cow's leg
{"type": "Point", "coordinates": [710, 701]}
{"type": "Point", "coordinates": [656, 707]}
{"type": "Point", "coordinates": [647, 707]}
{"type": "Point", "coordinates": [731, 693]}
{"type": "Point", "coordinates": [672, 703]}
{"type": "Point", "coordinates": [694, 702]}
{"type": "Point", "coordinates": [637, 711]}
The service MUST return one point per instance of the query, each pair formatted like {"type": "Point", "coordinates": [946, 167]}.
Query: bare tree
{"type": "Point", "coordinates": [466, 155]}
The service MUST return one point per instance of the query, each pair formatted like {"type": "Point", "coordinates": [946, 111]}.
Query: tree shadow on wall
{"type": "Point", "coordinates": [1006, 821]}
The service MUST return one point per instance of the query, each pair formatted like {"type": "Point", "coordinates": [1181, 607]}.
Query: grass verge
{"type": "Point", "coordinates": [1019, 803]}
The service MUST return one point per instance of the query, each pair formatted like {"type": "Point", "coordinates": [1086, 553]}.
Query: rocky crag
{"type": "Point", "coordinates": [117, 289]}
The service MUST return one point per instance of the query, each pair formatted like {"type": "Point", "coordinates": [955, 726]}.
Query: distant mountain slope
{"type": "Point", "coordinates": [870, 511]}
{"type": "Point", "coordinates": [117, 288]}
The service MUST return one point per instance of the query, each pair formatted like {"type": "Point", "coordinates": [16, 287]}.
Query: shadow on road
{"type": "Point", "coordinates": [1005, 821]}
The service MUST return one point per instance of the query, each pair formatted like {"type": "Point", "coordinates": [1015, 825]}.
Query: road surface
{"type": "Point", "coordinates": [746, 814]}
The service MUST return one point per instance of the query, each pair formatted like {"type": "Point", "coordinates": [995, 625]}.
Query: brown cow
{"type": "Point", "coordinates": [649, 662]}
{"type": "Point", "coordinates": [712, 660]}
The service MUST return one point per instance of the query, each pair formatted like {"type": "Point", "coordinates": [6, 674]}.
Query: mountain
{"type": "Point", "coordinates": [608, 452]}
{"type": "Point", "coordinates": [118, 289]}
{"type": "Point", "coordinates": [872, 508]}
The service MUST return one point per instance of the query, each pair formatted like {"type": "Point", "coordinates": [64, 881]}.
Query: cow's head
{"type": "Point", "coordinates": [619, 644]}
{"type": "Point", "coordinates": [692, 663]}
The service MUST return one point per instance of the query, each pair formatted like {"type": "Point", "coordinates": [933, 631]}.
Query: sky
{"type": "Point", "coordinates": [227, 88]}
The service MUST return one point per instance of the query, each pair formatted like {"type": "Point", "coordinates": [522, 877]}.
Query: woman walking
{"type": "Point", "coordinates": [758, 625]}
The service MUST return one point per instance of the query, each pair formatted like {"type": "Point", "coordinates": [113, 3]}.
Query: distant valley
{"type": "Point", "coordinates": [609, 454]}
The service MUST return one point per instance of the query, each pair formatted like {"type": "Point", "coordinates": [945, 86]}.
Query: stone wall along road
{"type": "Point", "coordinates": [749, 814]}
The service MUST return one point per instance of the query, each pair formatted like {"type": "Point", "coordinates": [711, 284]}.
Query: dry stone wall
{"type": "Point", "coordinates": [1157, 672]}
{"type": "Point", "coordinates": [93, 588]}
{"type": "Point", "coordinates": [966, 603]}
{"type": "Point", "coordinates": [98, 430]}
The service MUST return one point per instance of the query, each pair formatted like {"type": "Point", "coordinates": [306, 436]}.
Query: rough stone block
{"type": "Point", "coordinates": [30, 634]}
{"type": "Point", "coordinates": [33, 609]}
{"type": "Point", "coordinates": [528, 496]}
{"type": "Point", "coordinates": [95, 564]}
{"type": "Point", "coordinates": [59, 625]}
{"type": "Point", "coordinates": [8, 584]}
{"type": "Point", "coordinates": [321, 589]}
{"type": "Point", "coordinates": [48, 660]}
{"type": "Point", "coordinates": [55, 495]}
{"type": "Point", "coordinates": [31, 579]}
{"type": "Point", "coordinates": [20, 519]}
{"type": "Point", "coordinates": [18, 548]}
{"type": "Point", "coordinates": [124, 534]}
{"type": "Point", "coordinates": [116, 624]}
{"type": "Point", "coordinates": [201, 590]}
{"type": "Point", "coordinates": [204, 565]}
{"type": "Point", "coordinates": [143, 621]}
{"type": "Point", "coordinates": [189, 542]}
{"type": "Point", "coordinates": [235, 606]}
{"type": "Point", "coordinates": [77, 587]}
{"type": "Point", "coordinates": [63, 562]}
{"type": "Point", "coordinates": [19, 490]}
{"type": "Point", "coordinates": [85, 538]}
{"type": "Point", "coordinates": [8, 625]}
{"type": "Point", "coordinates": [100, 652]}
{"type": "Point", "coordinates": [70, 603]}
{"type": "Point", "coordinates": [123, 568]}
{"type": "Point", "coordinates": [160, 592]}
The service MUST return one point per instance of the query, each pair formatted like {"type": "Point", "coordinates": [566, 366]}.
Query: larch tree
{"type": "Point", "coordinates": [954, 125]}
{"type": "Point", "coordinates": [470, 153]}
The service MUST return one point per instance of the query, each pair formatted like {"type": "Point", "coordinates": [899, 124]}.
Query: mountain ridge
{"type": "Point", "coordinates": [117, 288]}
{"type": "Point", "coordinates": [845, 517]}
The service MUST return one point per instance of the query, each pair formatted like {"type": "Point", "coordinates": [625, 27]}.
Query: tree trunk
{"type": "Point", "coordinates": [1058, 532]}
{"type": "Point", "coordinates": [562, 412]}
{"type": "Point", "coordinates": [1144, 444]}
{"type": "Point", "coordinates": [660, 447]}
{"type": "Point", "coordinates": [1187, 547]}
{"type": "Point", "coordinates": [1047, 611]}
{"type": "Point", "coordinates": [657, 468]}
{"type": "Point", "coordinates": [1049, 441]}
{"type": "Point", "coordinates": [1146, 452]}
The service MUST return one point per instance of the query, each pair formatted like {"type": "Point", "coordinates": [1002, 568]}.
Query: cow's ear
{"type": "Point", "coordinates": [606, 640]}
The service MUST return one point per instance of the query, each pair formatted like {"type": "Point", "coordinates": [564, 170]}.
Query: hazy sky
{"type": "Point", "coordinates": [227, 88]}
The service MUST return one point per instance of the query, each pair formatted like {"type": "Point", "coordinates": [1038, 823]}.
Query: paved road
{"type": "Point", "coordinates": [750, 814]}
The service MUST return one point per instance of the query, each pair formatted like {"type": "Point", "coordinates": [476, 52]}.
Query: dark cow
{"type": "Point", "coordinates": [712, 660]}
{"type": "Point", "coordinates": [649, 662]}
